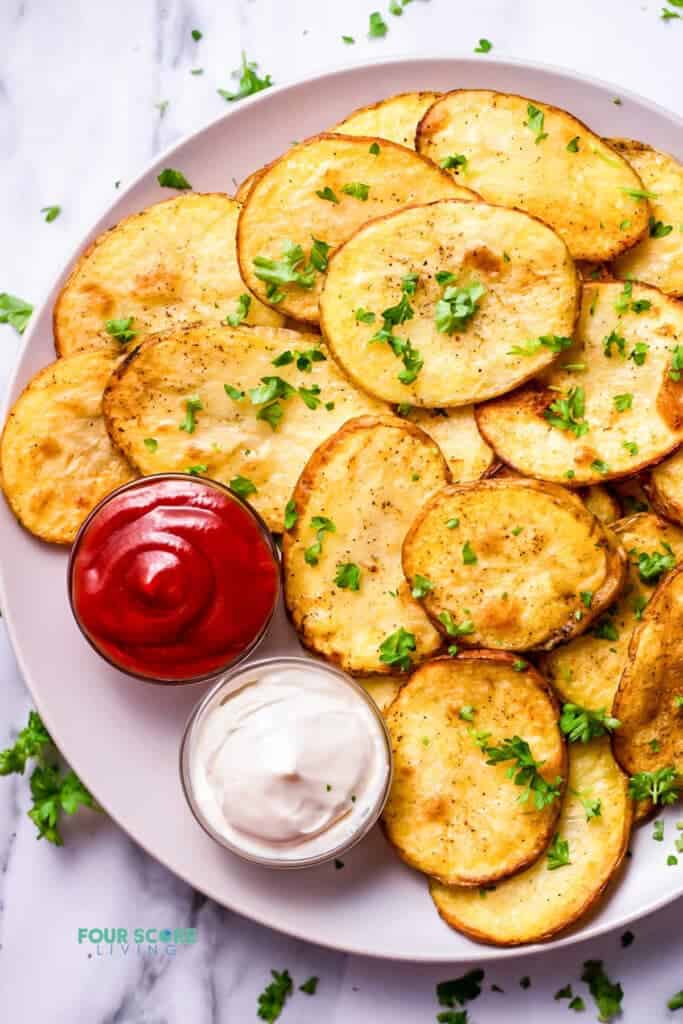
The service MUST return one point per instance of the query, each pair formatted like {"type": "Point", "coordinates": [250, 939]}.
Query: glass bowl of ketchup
{"type": "Point", "coordinates": [173, 578]}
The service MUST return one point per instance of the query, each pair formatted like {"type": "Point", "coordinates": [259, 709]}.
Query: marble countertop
{"type": "Point", "coordinates": [80, 89]}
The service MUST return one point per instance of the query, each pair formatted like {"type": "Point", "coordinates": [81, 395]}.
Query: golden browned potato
{"type": "Point", "coordinates": [630, 493]}
{"type": "Point", "coordinates": [172, 263]}
{"type": "Point", "coordinates": [56, 457]}
{"type": "Point", "coordinates": [344, 587]}
{"type": "Point", "coordinates": [658, 258]}
{"type": "Point", "coordinates": [537, 158]}
{"type": "Point", "coordinates": [611, 406]}
{"type": "Point", "coordinates": [601, 503]}
{"type": "Point", "coordinates": [665, 487]}
{"type": "Point", "coordinates": [323, 190]}
{"type": "Point", "coordinates": [257, 422]}
{"type": "Point", "coordinates": [586, 671]}
{"type": "Point", "coordinates": [395, 118]}
{"type": "Point", "coordinates": [507, 562]}
{"type": "Point", "coordinates": [542, 901]}
{"type": "Point", "coordinates": [382, 689]}
{"type": "Point", "coordinates": [451, 813]}
{"type": "Point", "coordinates": [475, 288]}
{"type": "Point", "coordinates": [457, 435]}
{"type": "Point", "coordinates": [649, 700]}
{"type": "Point", "coordinates": [246, 186]}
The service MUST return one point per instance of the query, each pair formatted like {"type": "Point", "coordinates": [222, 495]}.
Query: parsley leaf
{"type": "Point", "coordinates": [660, 786]}
{"type": "Point", "coordinates": [605, 629]}
{"type": "Point", "coordinates": [567, 413]}
{"type": "Point", "coordinates": [396, 648]}
{"type": "Point", "coordinates": [30, 742]}
{"type": "Point", "coordinates": [485, 46]}
{"type": "Point", "coordinates": [196, 35]}
{"type": "Point", "coordinates": [198, 469]}
{"type": "Point", "coordinates": [536, 122]}
{"type": "Point", "coordinates": [357, 189]}
{"type": "Point", "coordinates": [249, 82]}
{"type": "Point", "coordinates": [468, 555]}
{"type": "Point", "coordinates": [349, 40]}
{"type": "Point", "coordinates": [623, 402]}
{"type": "Point", "coordinates": [524, 772]}
{"type": "Point", "coordinates": [233, 393]}
{"type": "Point", "coordinates": [573, 145]}
{"type": "Point", "coordinates": [52, 212]}
{"type": "Point", "coordinates": [551, 341]}
{"type": "Point", "coordinates": [274, 996]}
{"type": "Point", "coordinates": [121, 329]}
{"type": "Point", "coordinates": [242, 486]}
{"type": "Point", "coordinates": [421, 586]}
{"type": "Point", "coordinates": [378, 26]}
{"type": "Point", "coordinates": [614, 338]}
{"type": "Point", "coordinates": [319, 254]}
{"type": "Point", "coordinates": [322, 525]}
{"type": "Point", "coordinates": [364, 316]}
{"type": "Point", "coordinates": [453, 163]}
{"type": "Point", "coordinates": [465, 628]}
{"type": "Point", "coordinates": [192, 405]}
{"type": "Point", "coordinates": [676, 1002]}
{"type": "Point", "coordinates": [14, 311]}
{"type": "Point", "coordinates": [328, 194]}
{"type": "Point", "coordinates": [348, 576]}
{"type": "Point", "coordinates": [169, 178]}
{"type": "Point", "coordinates": [241, 311]}
{"type": "Point", "coordinates": [676, 363]}
{"type": "Point", "coordinates": [52, 793]}
{"type": "Point", "coordinates": [459, 991]}
{"type": "Point", "coordinates": [151, 444]}
{"type": "Point", "coordinates": [291, 514]}
{"type": "Point", "coordinates": [658, 229]}
{"type": "Point", "coordinates": [651, 567]}
{"type": "Point", "coordinates": [457, 306]}
{"type": "Point", "coordinates": [638, 193]}
{"type": "Point", "coordinates": [288, 270]}
{"type": "Point", "coordinates": [607, 994]}
{"type": "Point", "coordinates": [581, 725]}
{"type": "Point", "coordinates": [310, 986]}
{"type": "Point", "coordinates": [639, 352]}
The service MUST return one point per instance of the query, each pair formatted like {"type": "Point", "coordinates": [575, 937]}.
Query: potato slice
{"type": "Point", "coordinates": [174, 262]}
{"type": "Point", "coordinates": [538, 158]}
{"type": "Point", "coordinates": [531, 290]}
{"type": "Point", "coordinates": [630, 493]}
{"type": "Point", "coordinates": [56, 456]}
{"type": "Point", "coordinates": [646, 703]}
{"type": "Point", "coordinates": [665, 487]}
{"type": "Point", "coordinates": [395, 118]}
{"type": "Point", "coordinates": [620, 413]}
{"type": "Point", "coordinates": [658, 258]}
{"type": "Point", "coordinates": [382, 689]}
{"type": "Point", "coordinates": [369, 479]}
{"type": "Point", "coordinates": [539, 903]}
{"type": "Point", "coordinates": [146, 403]}
{"type": "Point", "coordinates": [457, 435]}
{"type": "Point", "coordinates": [246, 186]}
{"type": "Point", "coordinates": [508, 560]}
{"type": "Point", "coordinates": [601, 503]}
{"type": "Point", "coordinates": [283, 207]}
{"type": "Point", "coordinates": [586, 671]}
{"type": "Point", "coordinates": [449, 813]}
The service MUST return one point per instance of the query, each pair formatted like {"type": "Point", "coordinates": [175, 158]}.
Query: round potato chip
{"type": "Point", "coordinates": [344, 586]}
{"type": "Point", "coordinates": [57, 459]}
{"type": "Point", "coordinates": [246, 186]}
{"type": "Point", "coordinates": [507, 563]}
{"type": "Point", "coordinates": [649, 700]}
{"type": "Point", "coordinates": [312, 199]}
{"type": "Point", "coordinates": [174, 262]}
{"type": "Point", "coordinates": [549, 896]}
{"type": "Point", "coordinates": [665, 487]}
{"type": "Point", "coordinates": [601, 503]}
{"type": "Point", "coordinates": [382, 689]}
{"type": "Point", "coordinates": [457, 435]}
{"type": "Point", "coordinates": [395, 118]}
{"type": "Point", "coordinates": [451, 812]}
{"type": "Point", "coordinates": [255, 440]}
{"type": "Point", "coordinates": [658, 258]}
{"type": "Point", "coordinates": [611, 406]}
{"type": "Point", "coordinates": [630, 493]}
{"type": "Point", "coordinates": [586, 671]}
{"type": "Point", "coordinates": [449, 303]}
{"type": "Point", "coordinates": [537, 158]}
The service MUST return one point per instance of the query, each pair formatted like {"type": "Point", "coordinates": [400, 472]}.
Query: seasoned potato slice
{"type": "Point", "coordinates": [382, 689]}
{"type": "Point", "coordinates": [246, 186]}
{"type": "Point", "coordinates": [630, 493]}
{"type": "Point", "coordinates": [507, 562]}
{"type": "Point", "coordinates": [537, 904]}
{"type": "Point", "coordinates": [174, 262]}
{"type": "Point", "coordinates": [665, 487]}
{"type": "Point", "coordinates": [586, 671]}
{"type": "Point", "coordinates": [646, 703]}
{"type": "Point", "coordinates": [610, 406]}
{"type": "Point", "coordinates": [324, 189]}
{"type": "Point", "coordinates": [601, 503]}
{"type": "Point", "coordinates": [369, 479]}
{"type": "Point", "coordinates": [232, 437]}
{"type": "Point", "coordinates": [538, 158]}
{"type": "Point", "coordinates": [658, 258]}
{"type": "Point", "coordinates": [395, 118]}
{"type": "Point", "coordinates": [449, 813]}
{"type": "Point", "coordinates": [56, 456]}
{"type": "Point", "coordinates": [457, 435]}
{"type": "Point", "coordinates": [462, 341]}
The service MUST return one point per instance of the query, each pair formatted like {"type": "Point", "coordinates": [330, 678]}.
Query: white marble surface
{"type": "Point", "coordinates": [78, 87]}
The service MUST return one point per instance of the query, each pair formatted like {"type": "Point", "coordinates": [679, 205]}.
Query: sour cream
{"type": "Point", "coordinates": [287, 762]}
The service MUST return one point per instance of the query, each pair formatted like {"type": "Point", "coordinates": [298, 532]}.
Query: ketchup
{"type": "Point", "coordinates": [173, 579]}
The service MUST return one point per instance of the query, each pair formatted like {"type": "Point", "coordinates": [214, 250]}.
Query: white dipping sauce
{"type": "Point", "coordinates": [290, 765]}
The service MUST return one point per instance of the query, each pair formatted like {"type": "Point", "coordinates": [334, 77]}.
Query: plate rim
{"type": "Point", "coordinates": [479, 952]}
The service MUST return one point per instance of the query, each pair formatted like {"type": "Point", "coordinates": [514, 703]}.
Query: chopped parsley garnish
{"type": "Point", "coordinates": [598, 466]}
{"type": "Point", "coordinates": [453, 163]}
{"type": "Point", "coordinates": [322, 525]}
{"type": "Point", "coordinates": [364, 316]}
{"type": "Point", "coordinates": [249, 81]}
{"type": "Point", "coordinates": [233, 392]}
{"type": "Point", "coordinates": [291, 514]}
{"type": "Point", "coordinates": [14, 311]}
{"type": "Point", "coordinates": [374, 149]}
{"type": "Point", "coordinates": [347, 576]}
{"type": "Point", "coordinates": [466, 713]}
{"type": "Point", "coordinates": [638, 193]}
{"type": "Point", "coordinates": [624, 298]}
{"type": "Point", "coordinates": [52, 212]}
{"type": "Point", "coordinates": [349, 40]}
{"type": "Point", "coordinates": [396, 649]}
{"type": "Point", "coordinates": [676, 1002]}
{"type": "Point", "coordinates": [270, 388]}
{"type": "Point", "coordinates": [121, 329]}
{"type": "Point", "coordinates": [639, 352]}
{"type": "Point", "coordinates": [401, 347]}
{"type": "Point", "coordinates": [421, 586]}
{"type": "Point", "coordinates": [623, 402]}
{"type": "Point", "coordinates": [676, 363]}
{"type": "Point", "coordinates": [457, 306]}
{"type": "Point", "coordinates": [577, 1004]}
{"type": "Point", "coordinates": [304, 359]}
{"type": "Point", "coordinates": [660, 786]}
{"type": "Point", "coordinates": [536, 122]}
{"type": "Point", "coordinates": [667, 15]}
{"type": "Point", "coordinates": [607, 994]}
{"type": "Point", "coordinates": [377, 26]}
{"type": "Point", "coordinates": [563, 993]}
{"type": "Point", "coordinates": [533, 345]}
{"type": "Point", "coordinates": [169, 178]}
{"type": "Point", "coordinates": [309, 396]}
{"type": "Point", "coordinates": [468, 555]}
{"type": "Point", "coordinates": [658, 229]}
{"type": "Point", "coordinates": [524, 771]}
{"type": "Point", "coordinates": [242, 486]}
{"type": "Point", "coordinates": [592, 806]}
{"type": "Point", "coordinates": [319, 254]}
{"type": "Point", "coordinates": [459, 991]}
{"type": "Point", "coordinates": [631, 447]}
{"type": "Point", "coordinates": [573, 145]}
{"type": "Point", "coordinates": [567, 413]}
{"type": "Point", "coordinates": [196, 35]}
{"type": "Point", "coordinates": [274, 996]}
{"type": "Point", "coordinates": [310, 986]}
{"type": "Point", "coordinates": [452, 523]}
{"type": "Point", "coordinates": [605, 629]}
{"type": "Point", "coordinates": [581, 725]}
{"type": "Point", "coordinates": [651, 567]}
{"type": "Point", "coordinates": [192, 406]}
{"type": "Point", "coordinates": [151, 444]}
{"type": "Point", "coordinates": [198, 469]}
{"type": "Point", "coordinates": [241, 310]}
{"type": "Point", "coordinates": [519, 665]}
{"type": "Point", "coordinates": [586, 598]}
{"type": "Point", "coordinates": [658, 831]}
{"type": "Point", "coordinates": [485, 46]}
{"type": "Point", "coordinates": [357, 189]}
{"type": "Point", "coordinates": [464, 628]}
{"type": "Point", "coordinates": [328, 194]}
{"type": "Point", "coordinates": [614, 338]}
{"type": "Point", "coordinates": [288, 270]}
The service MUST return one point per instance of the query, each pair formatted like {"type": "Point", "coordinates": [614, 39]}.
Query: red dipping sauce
{"type": "Point", "coordinates": [173, 578]}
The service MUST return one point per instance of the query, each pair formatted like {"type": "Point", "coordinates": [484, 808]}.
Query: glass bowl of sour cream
{"type": "Point", "coordinates": [286, 762]}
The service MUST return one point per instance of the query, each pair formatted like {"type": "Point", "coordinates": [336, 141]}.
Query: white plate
{"type": "Point", "coordinates": [122, 736]}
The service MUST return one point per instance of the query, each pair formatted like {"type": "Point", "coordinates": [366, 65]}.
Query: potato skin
{"type": "Point", "coordinates": [510, 526]}
{"type": "Point", "coordinates": [539, 904]}
{"type": "Point", "coordinates": [664, 488]}
{"type": "Point", "coordinates": [449, 814]}
{"type": "Point", "coordinates": [369, 478]}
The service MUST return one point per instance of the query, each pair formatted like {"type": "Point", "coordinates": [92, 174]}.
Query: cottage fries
{"type": "Point", "coordinates": [439, 348]}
